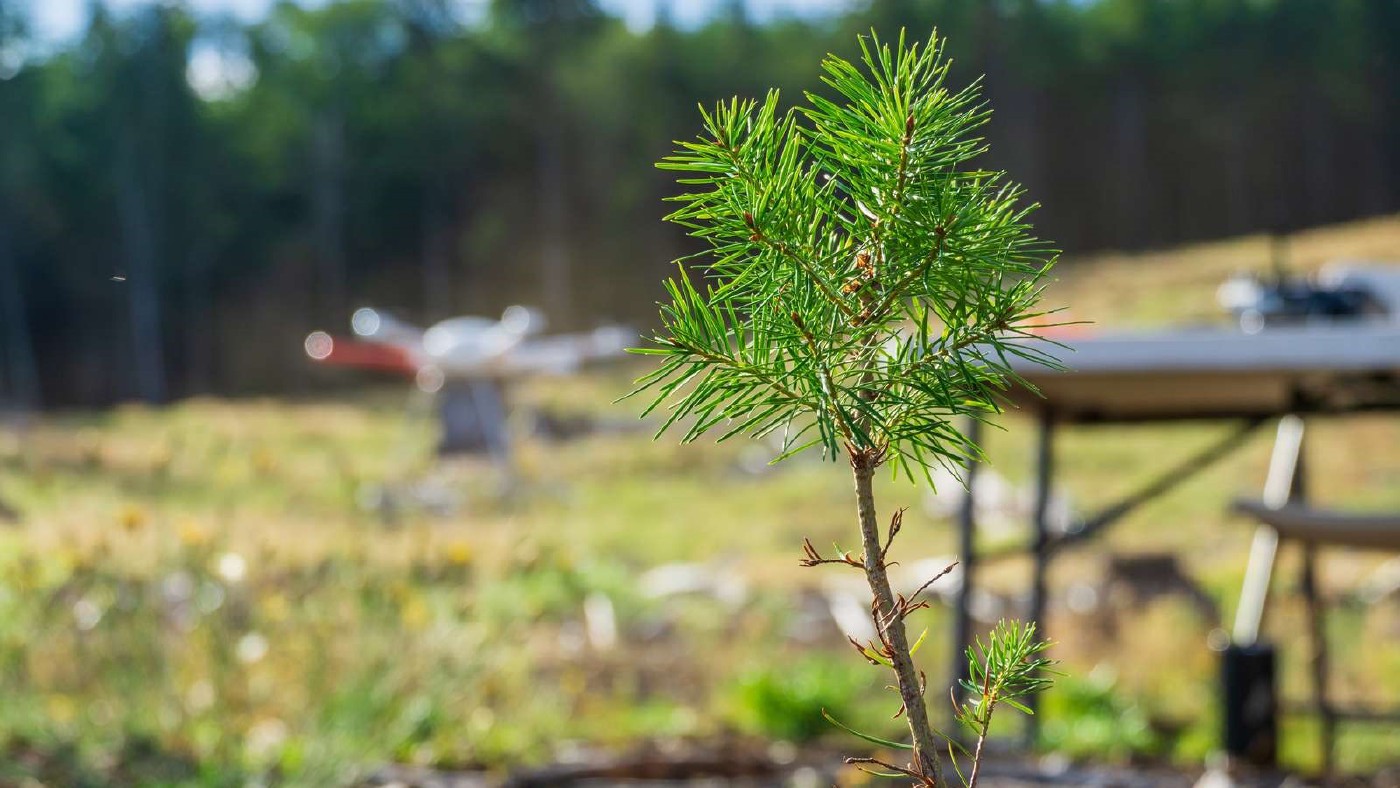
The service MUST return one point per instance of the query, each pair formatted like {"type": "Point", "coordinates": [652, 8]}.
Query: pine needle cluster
{"type": "Point", "coordinates": [864, 285]}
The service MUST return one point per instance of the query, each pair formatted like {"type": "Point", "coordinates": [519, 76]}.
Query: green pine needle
{"type": "Point", "coordinates": [865, 284]}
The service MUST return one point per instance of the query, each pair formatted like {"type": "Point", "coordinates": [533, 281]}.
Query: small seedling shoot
{"type": "Point", "coordinates": [865, 290]}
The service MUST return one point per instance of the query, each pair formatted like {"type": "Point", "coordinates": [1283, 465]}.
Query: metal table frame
{"type": "Point", "coordinates": [1285, 483]}
{"type": "Point", "coordinates": [1186, 374]}
{"type": "Point", "coordinates": [1044, 545]}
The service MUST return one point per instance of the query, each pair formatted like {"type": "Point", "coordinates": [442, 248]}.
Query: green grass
{"type": "Point", "coordinates": [130, 652]}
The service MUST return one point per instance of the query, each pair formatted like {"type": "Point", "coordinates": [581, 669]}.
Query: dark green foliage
{"type": "Point", "coordinates": [387, 151]}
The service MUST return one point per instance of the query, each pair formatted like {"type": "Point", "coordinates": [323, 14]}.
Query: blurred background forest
{"type": "Point", "coordinates": [293, 589]}
{"type": "Point", "coordinates": [184, 195]}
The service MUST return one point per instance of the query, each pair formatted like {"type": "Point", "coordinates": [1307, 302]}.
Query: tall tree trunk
{"type": "Point", "coordinates": [437, 251]}
{"type": "Point", "coordinates": [1238, 146]}
{"type": "Point", "coordinates": [199, 325]}
{"type": "Point", "coordinates": [139, 251]}
{"type": "Point", "coordinates": [328, 209]}
{"type": "Point", "coordinates": [555, 265]}
{"type": "Point", "coordinates": [1319, 164]}
{"type": "Point", "coordinates": [20, 366]}
{"type": "Point", "coordinates": [1134, 188]}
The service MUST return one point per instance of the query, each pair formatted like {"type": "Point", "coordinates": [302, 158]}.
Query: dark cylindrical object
{"type": "Point", "coordinates": [1251, 704]}
{"type": "Point", "coordinates": [967, 549]}
{"type": "Point", "coordinates": [1044, 479]}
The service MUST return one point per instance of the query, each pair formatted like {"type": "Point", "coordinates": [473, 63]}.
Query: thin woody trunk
{"type": "Point", "coordinates": [891, 626]}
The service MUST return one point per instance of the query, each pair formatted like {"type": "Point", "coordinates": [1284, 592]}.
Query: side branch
{"type": "Point", "coordinates": [914, 597]}
{"type": "Point", "coordinates": [984, 725]}
{"type": "Point", "coordinates": [860, 763]}
{"type": "Point", "coordinates": [813, 558]}
{"type": "Point", "coordinates": [904, 161]}
{"type": "Point", "coordinates": [944, 353]}
{"type": "Point", "coordinates": [758, 236]}
{"type": "Point", "coordinates": [744, 369]}
{"type": "Point", "coordinates": [892, 294]}
{"type": "Point", "coordinates": [895, 522]}
{"type": "Point", "coordinates": [828, 384]}
{"type": "Point", "coordinates": [901, 181]}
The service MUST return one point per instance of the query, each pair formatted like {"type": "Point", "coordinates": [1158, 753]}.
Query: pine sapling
{"type": "Point", "coordinates": [865, 289]}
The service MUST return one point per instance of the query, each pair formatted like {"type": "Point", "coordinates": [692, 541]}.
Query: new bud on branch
{"type": "Point", "coordinates": [905, 277]}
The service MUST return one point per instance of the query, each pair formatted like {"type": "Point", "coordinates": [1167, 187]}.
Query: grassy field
{"type": "Point", "coordinates": [198, 594]}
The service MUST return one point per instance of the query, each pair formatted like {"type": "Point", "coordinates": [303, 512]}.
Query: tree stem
{"type": "Point", "coordinates": [977, 755]}
{"type": "Point", "coordinates": [891, 623]}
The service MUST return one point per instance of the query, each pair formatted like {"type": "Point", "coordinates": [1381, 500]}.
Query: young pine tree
{"type": "Point", "coordinates": [865, 289]}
